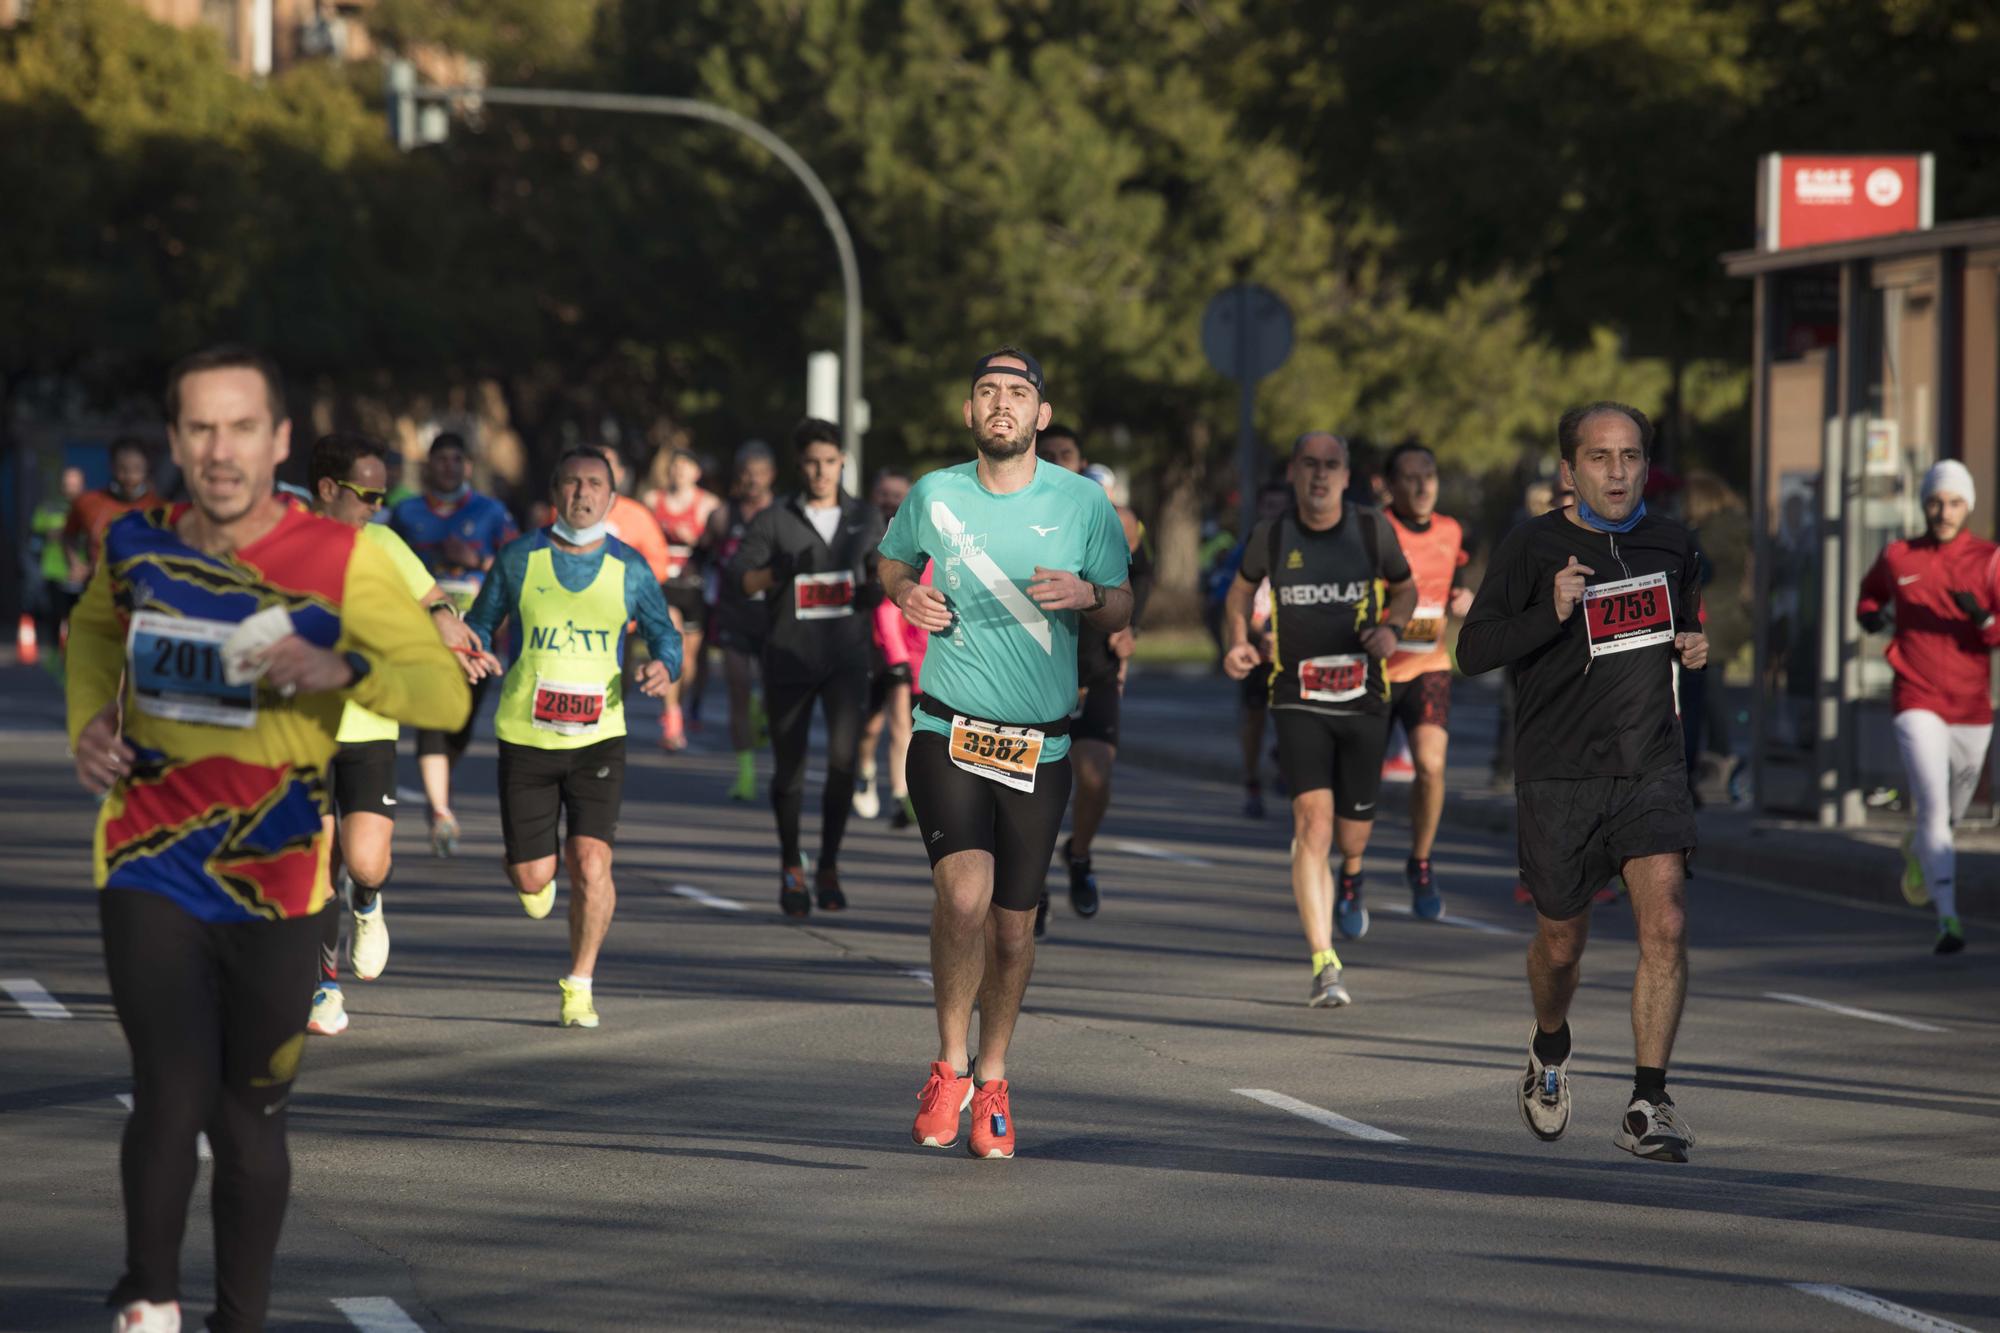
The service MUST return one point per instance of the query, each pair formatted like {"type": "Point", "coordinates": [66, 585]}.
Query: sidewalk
{"type": "Point", "coordinates": [1187, 722]}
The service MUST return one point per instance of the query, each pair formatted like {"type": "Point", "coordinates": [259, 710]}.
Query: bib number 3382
{"type": "Point", "coordinates": [1628, 614]}
{"type": "Point", "coordinates": [1007, 755]}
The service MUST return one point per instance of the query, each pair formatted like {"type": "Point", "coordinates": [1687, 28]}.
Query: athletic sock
{"type": "Point", "coordinates": [1649, 1084]}
{"type": "Point", "coordinates": [1324, 959]}
{"type": "Point", "coordinates": [1552, 1048]}
{"type": "Point", "coordinates": [868, 773]}
{"type": "Point", "coordinates": [576, 982]}
{"type": "Point", "coordinates": [746, 765]}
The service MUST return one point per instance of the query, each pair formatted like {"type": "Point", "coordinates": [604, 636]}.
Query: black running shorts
{"type": "Point", "coordinates": [537, 786]}
{"type": "Point", "coordinates": [364, 779]}
{"type": "Point", "coordinates": [1255, 688]}
{"type": "Point", "coordinates": [1576, 834]}
{"type": "Point", "coordinates": [1338, 750]}
{"type": "Point", "coordinates": [1422, 701]}
{"type": "Point", "coordinates": [1096, 718]}
{"type": "Point", "coordinates": [886, 678]}
{"type": "Point", "coordinates": [959, 811]}
{"type": "Point", "coordinates": [687, 599]}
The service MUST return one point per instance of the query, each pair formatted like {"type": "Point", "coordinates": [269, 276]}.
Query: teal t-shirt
{"type": "Point", "coordinates": [1006, 659]}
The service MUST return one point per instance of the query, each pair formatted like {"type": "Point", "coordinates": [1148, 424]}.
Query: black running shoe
{"type": "Point", "coordinates": [793, 900]}
{"type": "Point", "coordinates": [826, 887]}
{"type": "Point", "coordinates": [1082, 884]}
{"type": "Point", "coordinates": [1042, 915]}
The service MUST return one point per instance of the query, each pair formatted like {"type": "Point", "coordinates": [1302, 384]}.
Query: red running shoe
{"type": "Point", "coordinates": [941, 1103]}
{"type": "Point", "coordinates": [992, 1122]}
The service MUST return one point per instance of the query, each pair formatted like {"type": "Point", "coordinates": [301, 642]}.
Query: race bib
{"type": "Point", "coordinates": [567, 707]}
{"type": "Point", "coordinates": [1628, 614]}
{"type": "Point", "coordinates": [1007, 755]}
{"type": "Point", "coordinates": [463, 592]}
{"type": "Point", "coordinates": [178, 673]}
{"type": "Point", "coordinates": [1335, 679]}
{"type": "Point", "coordinates": [1422, 633]}
{"type": "Point", "coordinates": [823, 596]}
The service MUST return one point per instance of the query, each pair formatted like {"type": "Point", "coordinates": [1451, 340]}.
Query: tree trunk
{"type": "Point", "coordinates": [1177, 531]}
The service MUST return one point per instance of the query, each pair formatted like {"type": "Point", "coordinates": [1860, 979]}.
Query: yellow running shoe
{"type": "Point", "coordinates": [537, 905]}
{"type": "Point", "coordinates": [577, 1010]}
{"type": "Point", "coordinates": [1915, 892]}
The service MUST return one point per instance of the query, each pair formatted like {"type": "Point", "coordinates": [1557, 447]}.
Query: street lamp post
{"type": "Point", "coordinates": [404, 94]}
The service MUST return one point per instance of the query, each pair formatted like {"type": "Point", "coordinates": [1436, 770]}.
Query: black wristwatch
{"type": "Point", "coordinates": [442, 604]}
{"type": "Point", "coordinates": [359, 665]}
{"type": "Point", "coordinates": [1097, 605]}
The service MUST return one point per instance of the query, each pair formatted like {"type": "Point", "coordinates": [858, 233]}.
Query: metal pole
{"type": "Point", "coordinates": [694, 109]}
{"type": "Point", "coordinates": [1246, 419]}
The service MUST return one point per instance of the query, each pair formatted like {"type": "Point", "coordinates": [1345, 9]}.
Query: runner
{"type": "Point", "coordinates": [349, 485]}
{"type": "Point", "coordinates": [682, 508]}
{"type": "Point", "coordinates": [1254, 691]}
{"type": "Point", "coordinates": [209, 662]}
{"type": "Point", "coordinates": [63, 571]}
{"type": "Point", "coordinates": [890, 689]}
{"type": "Point", "coordinates": [570, 589]}
{"type": "Point", "coordinates": [1101, 662]}
{"type": "Point", "coordinates": [814, 552]}
{"type": "Point", "coordinates": [1943, 587]}
{"type": "Point", "coordinates": [1420, 668]}
{"type": "Point", "coordinates": [457, 532]}
{"type": "Point", "coordinates": [740, 619]}
{"type": "Point", "coordinates": [95, 511]}
{"type": "Point", "coordinates": [1594, 606]}
{"type": "Point", "coordinates": [633, 523]}
{"type": "Point", "coordinates": [1329, 696]}
{"type": "Point", "coordinates": [1024, 553]}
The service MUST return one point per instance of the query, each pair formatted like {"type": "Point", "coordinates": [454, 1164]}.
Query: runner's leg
{"type": "Point", "coordinates": [1555, 965]}
{"type": "Point", "coordinates": [1925, 742]}
{"type": "Point", "coordinates": [1427, 751]}
{"type": "Point", "coordinates": [790, 707]}
{"type": "Point", "coordinates": [1968, 760]}
{"type": "Point", "coordinates": [1312, 875]}
{"type": "Point", "coordinates": [1659, 910]}
{"type": "Point", "coordinates": [1092, 760]}
{"type": "Point", "coordinates": [842, 701]}
{"type": "Point", "coordinates": [592, 900]}
{"type": "Point", "coordinates": [964, 883]}
{"type": "Point", "coordinates": [1026, 825]}
{"type": "Point", "coordinates": [900, 721]}
{"type": "Point", "coordinates": [736, 671]}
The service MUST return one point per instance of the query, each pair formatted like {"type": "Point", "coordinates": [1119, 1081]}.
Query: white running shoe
{"type": "Point", "coordinates": [1327, 992]}
{"type": "Point", "coordinates": [1655, 1132]}
{"type": "Point", "coordinates": [866, 803]}
{"type": "Point", "coordinates": [1545, 1094]}
{"type": "Point", "coordinates": [368, 950]}
{"type": "Point", "coordinates": [329, 1012]}
{"type": "Point", "coordinates": [148, 1317]}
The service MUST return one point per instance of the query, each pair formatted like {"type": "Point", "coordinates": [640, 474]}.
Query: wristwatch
{"type": "Point", "coordinates": [1098, 605]}
{"type": "Point", "coordinates": [443, 605]}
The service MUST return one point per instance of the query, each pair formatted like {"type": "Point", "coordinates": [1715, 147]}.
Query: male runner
{"type": "Point", "coordinates": [1024, 552]}
{"type": "Point", "coordinates": [1101, 661]}
{"type": "Point", "coordinates": [457, 532]}
{"type": "Point", "coordinates": [1943, 587]}
{"type": "Point", "coordinates": [890, 687]}
{"type": "Point", "coordinates": [1420, 668]}
{"type": "Point", "coordinates": [682, 508]}
{"type": "Point", "coordinates": [1329, 696]}
{"type": "Point", "coordinates": [570, 590]}
{"type": "Point", "coordinates": [350, 481]}
{"type": "Point", "coordinates": [741, 619]}
{"type": "Point", "coordinates": [63, 571]}
{"type": "Point", "coordinates": [814, 553]}
{"type": "Point", "coordinates": [1594, 606]}
{"type": "Point", "coordinates": [95, 511]}
{"type": "Point", "coordinates": [209, 662]}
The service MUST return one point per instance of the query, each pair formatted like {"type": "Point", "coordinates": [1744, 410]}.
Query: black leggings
{"type": "Point", "coordinates": [844, 700]}
{"type": "Point", "coordinates": [215, 1015]}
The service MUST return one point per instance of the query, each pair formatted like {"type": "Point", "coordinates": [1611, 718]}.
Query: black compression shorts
{"type": "Point", "coordinates": [1575, 834]}
{"type": "Point", "coordinates": [1338, 750]}
{"type": "Point", "coordinates": [959, 811]}
{"type": "Point", "coordinates": [884, 680]}
{"type": "Point", "coordinates": [1422, 701]}
{"type": "Point", "coordinates": [364, 779]}
{"type": "Point", "coordinates": [687, 599]}
{"type": "Point", "coordinates": [537, 786]}
{"type": "Point", "coordinates": [1096, 718]}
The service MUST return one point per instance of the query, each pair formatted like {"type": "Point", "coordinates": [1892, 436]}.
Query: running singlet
{"type": "Point", "coordinates": [1436, 553]}
{"type": "Point", "coordinates": [1940, 657]}
{"type": "Point", "coordinates": [1005, 659]}
{"type": "Point", "coordinates": [222, 811]}
{"type": "Point", "coordinates": [683, 528]}
{"type": "Point", "coordinates": [479, 521]}
{"type": "Point", "coordinates": [357, 724]}
{"type": "Point", "coordinates": [1326, 590]}
{"type": "Point", "coordinates": [567, 688]}
{"type": "Point", "coordinates": [93, 514]}
{"type": "Point", "coordinates": [632, 523]}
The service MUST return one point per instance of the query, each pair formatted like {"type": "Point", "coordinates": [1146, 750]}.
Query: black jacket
{"type": "Point", "coordinates": [822, 607]}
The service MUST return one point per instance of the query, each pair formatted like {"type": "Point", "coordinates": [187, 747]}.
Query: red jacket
{"type": "Point", "coordinates": [1939, 655]}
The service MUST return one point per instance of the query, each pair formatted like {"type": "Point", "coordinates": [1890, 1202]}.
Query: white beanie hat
{"type": "Point", "coordinates": [1953, 477]}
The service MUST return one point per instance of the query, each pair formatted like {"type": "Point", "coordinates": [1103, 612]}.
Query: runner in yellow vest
{"type": "Point", "coordinates": [571, 589]}
{"type": "Point", "coordinates": [350, 479]}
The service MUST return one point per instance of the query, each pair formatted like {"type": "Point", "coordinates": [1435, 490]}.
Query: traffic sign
{"type": "Point", "coordinates": [1247, 331]}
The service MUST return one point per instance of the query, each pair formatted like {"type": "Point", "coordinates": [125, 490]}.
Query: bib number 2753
{"type": "Point", "coordinates": [1628, 614]}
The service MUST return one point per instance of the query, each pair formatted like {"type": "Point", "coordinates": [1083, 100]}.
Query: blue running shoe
{"type": "Point", "coordinates": [1350, 915]}
{"type": "Point", "coordinates": [1425, 902]}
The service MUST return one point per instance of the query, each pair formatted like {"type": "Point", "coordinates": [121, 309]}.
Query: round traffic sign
{"type": "Point", "coordinates": [1247, 331]}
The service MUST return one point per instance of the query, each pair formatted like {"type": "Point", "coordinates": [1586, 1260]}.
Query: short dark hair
{"type": "Point", "coordinates": [450, 439]}
{"type": "Point", "coordinates": [335, 454]}
{"type": "Point", "coordinates": [226, 356]}
{"type": "Point", "coordinates": [1059, 431]}
{"type": "Point", "coordinates": [811, 431]}
{"type": "Point", "coordinates": [1402, 451]}
{"type": "Point", "coordinates": [129, 444]}
{"type": "Point", "coordinates": [1569, 430]}
{"type": "Point", "coordinates": [574, 452]}
{"type": "Point", "coordinates": [886, 473]}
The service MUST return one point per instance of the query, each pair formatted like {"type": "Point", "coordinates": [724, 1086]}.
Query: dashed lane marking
{"type": "Point", "coordinates": [1902, 1316]}
{"type": "Point", "coordinates": [32, 996]}
{"type": "Point", "coordinates": [707, 899]}
{"type": "Point", "coordinates": [1151, 852]}
{"type": "Point", "coordinates": [377, 1314]}
{"type": "Point", "coordinates": [1450, 919]}
{"type": "Point", "coordinates": [1319, 1115]}
{"type": "Point", "coordinates": [1851, 1012]}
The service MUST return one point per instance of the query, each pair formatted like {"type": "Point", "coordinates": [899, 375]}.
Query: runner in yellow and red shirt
{"type": "Point", "coordinates": [1420, 669]}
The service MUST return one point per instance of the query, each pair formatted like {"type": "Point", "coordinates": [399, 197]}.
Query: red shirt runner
{"type": "Point", "coordinates": [1940, 656]}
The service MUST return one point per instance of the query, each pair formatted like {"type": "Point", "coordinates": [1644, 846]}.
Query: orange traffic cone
{"type": "Point", "coordinates": [27, 650]}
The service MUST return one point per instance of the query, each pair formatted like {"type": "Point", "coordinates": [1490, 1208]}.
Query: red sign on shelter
{"type": "Point", "coordinates": [1812, 200]}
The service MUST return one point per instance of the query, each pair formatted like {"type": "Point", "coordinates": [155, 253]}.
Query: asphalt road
{"type": "Point", "coordinates": [731, 1149]}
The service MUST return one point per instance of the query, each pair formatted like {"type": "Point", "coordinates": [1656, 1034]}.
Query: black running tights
{"type": "Point", "coordinates": [844, 700]}
{"type": "Point", "coordinates": [215, 1014]}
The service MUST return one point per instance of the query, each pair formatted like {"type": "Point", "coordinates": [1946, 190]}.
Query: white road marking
{"type": "Point", "coordinates": [707, 899]}
{"type": "Point", "coordinates": [412, 796]}
{"type": "Point", "coordinates": [1148, 850]}
{"type": "Point", "coordinates": [1851, 1012]}
{"type": "Point", "coordinates": [922, 974]}
{"type": "Point", "coordinates": [1320, 1115]}
{"type": "Point", "coordinates": [1902, 1316]}
{"type": "Point", "coordinates": [377, 1314]}
{"type": "Point", "coordinates": [1448, 919]}
{"type": "Point", "coordinates": [201, 1149]}
{"type": "Point", "coordinates": [33, 997]}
